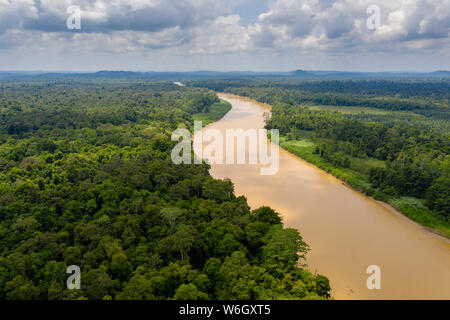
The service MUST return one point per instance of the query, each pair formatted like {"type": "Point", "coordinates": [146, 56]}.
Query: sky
{"type": "Point", "coordinates": [225, 35]}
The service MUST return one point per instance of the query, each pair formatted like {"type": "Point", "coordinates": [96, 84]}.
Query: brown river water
{"type": "Point", "coordinates": [347, 231]}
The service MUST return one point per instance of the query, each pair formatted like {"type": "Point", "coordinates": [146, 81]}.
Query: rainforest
{"type": "Point", "coordinates": [86, 179]}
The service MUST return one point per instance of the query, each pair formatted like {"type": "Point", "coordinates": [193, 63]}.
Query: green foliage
{"type": "Point", "coordinates": [267, 215]}
{"type": "Point", "coordinates": [438, 196]}
{"type": "Point", "coordinates": [426, 97]}
{"type": "Point", "coordinates": [189, 292]}
{"type": "Point", "coordinates": [86, 179]}
{"type": "Point", "coordinates": [216, 112]}
{"type": "Point", "coordinates": [282, 250]}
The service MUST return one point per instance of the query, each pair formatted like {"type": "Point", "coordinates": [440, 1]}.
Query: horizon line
{"type": "Point", "coordinates": [217, 71]}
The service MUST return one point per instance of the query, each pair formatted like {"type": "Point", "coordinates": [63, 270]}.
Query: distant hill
{"type": "Point", "coordinates": [301, 73]}
{"type": "Point", "coordinates": [444, 73]}
{"type": "Point", "coordinates": [310, 74]}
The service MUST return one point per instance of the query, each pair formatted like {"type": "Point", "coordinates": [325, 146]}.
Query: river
{"type": "Point", "coordinates": [347, 231]}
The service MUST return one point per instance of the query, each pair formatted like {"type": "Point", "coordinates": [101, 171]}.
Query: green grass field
{"type": "Point", "coordinates": [216, 112]}
{"type": "Point", "coordinates": [356, 110]}
{"type": "Point", "coordinates": [387, 116]}
{"type": "Point", "coordinates": [305, 149]}
{"type": "Point", "coordinates": [355, 176]}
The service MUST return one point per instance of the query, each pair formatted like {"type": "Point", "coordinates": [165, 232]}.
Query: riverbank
{"type": "Point", "coordinates": [411, 208]}
{"type": "Point", "coordinates": [216, 112]}
{"type": "Point", "coordinates": [346, 230]}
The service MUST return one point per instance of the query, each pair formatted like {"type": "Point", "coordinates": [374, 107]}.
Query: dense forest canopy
{"type": "Point", "coordinates": [388, 138]}
{"type": "Point", "coordinates": [430, 98]}
{"type": "Point", "coordinates": [86, 179]}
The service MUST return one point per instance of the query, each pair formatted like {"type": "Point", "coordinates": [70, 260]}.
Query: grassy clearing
{"type": "Point", "coordinates": [305, 149]}
{"type": "Point", "coordinates": [356, 110]}
{"type": "Point", "coordinates": [216, 112]}
{"type": "Point", "coordinates": [363, 165]}
{"type": "Point", "coordinates": [348, 110]}
{"type": "Point", "coordinates": [413, 208]}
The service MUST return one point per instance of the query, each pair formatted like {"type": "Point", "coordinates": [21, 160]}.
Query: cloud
{"type": "Point", "coordinates": [211, 27]}
{"type": "Point", "coordinates": [106, 16]}
{"type": "Point", "coordinates": [14, 13]}
{"type": "Point", "coordinates": [119, 25]}
{"type": "Point", "coordinates": [223, 35]}
{"type": "Point", "coordinates": [412, 20]}
{"type": "Point", "coordinates": [342, 24]}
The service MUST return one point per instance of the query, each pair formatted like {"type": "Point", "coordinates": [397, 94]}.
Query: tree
{"type": "Point", "coordinates": [98, 284]}
{"type": "Point", "coordinates": [181, 242]}
{"type": "Point", "coordinates": [20, 288]}
{"type": "Point", "coordinates": [171, 215]}
{"type": "Point", "coordinates": [120, 267]}
{"type": "Point", "coordinates": [217, 190]}
{"type": "Point", "coordinates": [138, 288]}
{"type": "Point", "coordinates": [322, 286]}
{"type": "Point", "coordinates": [189, 292]}
{"type": "Point", "coordinates": [438, 196]}
{"type": "Point", "coordinates": [268, 215]}
{"type": "Point", "coordinates": [282, 250]}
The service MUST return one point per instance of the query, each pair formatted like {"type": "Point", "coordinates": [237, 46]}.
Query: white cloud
{"type": "Point", "coordinates": [208, 27]}
{"type": "Point", "coordinates": [341, 24]}
{"type": "Point", "coordinates": [224, 34]}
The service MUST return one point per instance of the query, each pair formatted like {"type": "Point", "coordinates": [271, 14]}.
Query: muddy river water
{"type": "Point", "coordinates": [347, 231]}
